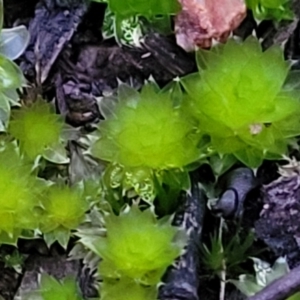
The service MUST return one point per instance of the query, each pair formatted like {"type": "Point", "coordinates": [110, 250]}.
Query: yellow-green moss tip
{"type": "Point", "coordinates": [36, 127]}
{"type": "Point", "coordinates": [63, 207]}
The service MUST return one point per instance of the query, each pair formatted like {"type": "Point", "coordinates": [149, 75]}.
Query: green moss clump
{"type": "Point", "coordinates": [36, 128]}
{"type": "Point", "coordinates": [239, 100]}
{"type": "Point", "coordinates": [144, 135]}
{"type": "Point", "coordinates": [137, 246]}
{"type": "Point", "coordinates": [145, 130]}
{"type": "Point", "coordinates": [63, 210]}
{"type": "Point", "coordinates": [18, 199]}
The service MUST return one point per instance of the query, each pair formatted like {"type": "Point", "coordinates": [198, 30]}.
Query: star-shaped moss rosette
{"type": "Point", "coordinates": [18, 201]}
{"type": "Point", "coordinates": [137, 245]}
{"type": "Point", "coordinates": [240, 101]}
{"type": "Point", "coordinates": [64, 209]}
{"type": "Point", "coordinates": [143, 135]}
{"type": "Point", "coordinates": [38, 130]}
{"type": "Point", "coordinates": [126, 288]}
{"type": "Point", "coordinates": [51, 288]}
{"type": "Point", "coordinates": [271, 9]}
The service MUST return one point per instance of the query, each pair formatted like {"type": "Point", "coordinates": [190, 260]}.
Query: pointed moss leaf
{"type": "Point", "coordinates": [56, 154]}
{"type": "Point", "coordinates": [125, 289]}
{"type": "Point", "coordinates": [14, 41]}
{"type": "Point", "coordinates": [279, 269]}
{"type": "Point", "coordinates": [82, 167]}
{"type": "Point", "coordinates": [247, 285]}
{"type": "Point", "coordinates": [13, 97]}
{"type": "Point", "coordinates": [4, 109]}
{"type": "Point", "coordinates": [11, 238]}
{"type": "Point", "coordinates": [250, 157]}
{"type": "Point", "coordinates": [36, 127]}
{"type": "Point", "coordinates": [177, 179]}
{"type": "Point", "coordinates": [240, 101]}
{"type": "Point", "coordinates": [129, 95]}
{"type": "Point", "coordinates": [49, 238]}
{"type": "Point", "coordinates": [221, 164]}
{"type": "Point", "coordinates": [292, 83]}
{"type": "Point", "coordinates": [136, 246]}
{"type": "Point", "coordinates": [11, 76]}
{"type": "Point", "coordinates": [205, 58]}
{"type": "Point", "coordinates": [175, 90]}
{"type": "Point", "coordinates": [191, 84]}
{"type": "Point", "coordinates": [107, 106]}
{"type": "Point", "coordinates": [62, 236]}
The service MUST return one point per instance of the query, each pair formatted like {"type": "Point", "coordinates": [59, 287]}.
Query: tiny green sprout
{"type": "Point", "coordinates": [143, 136]}
{"type": "Point", "coordinates": [137, 245]}
{"type": "Point", "coordinates": [50, 288]}
{"type": "Point", "coordinates": [240, 100]}
{"type": "Point", "coordinates": [18, 199]}
{"type": "Point", "coordinates": [63, 210]}
{"type": "Point", "coordinates": [36, 128]}
{"type": "Point", "coordinates": [220, 255]}
{"type": "Point", "coordinates": [271, 9]}
{"type": "Point", "coordinates": [125, 289]}
{"type": "Point", "coordinates": [14, 260]}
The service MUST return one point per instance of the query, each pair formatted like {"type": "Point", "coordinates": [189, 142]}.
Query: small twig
{"type": "Point", "coordinates": [281, 288]}
{"type": "Point", "coordinates": [223, 281]}
{"type": "Point", "coordinates": [182, 280]}
{"type": "Point", "coordinates": [223, 271]}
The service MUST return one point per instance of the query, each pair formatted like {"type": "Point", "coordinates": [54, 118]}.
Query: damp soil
{"type": "Point", "coordinates": [76, 66]}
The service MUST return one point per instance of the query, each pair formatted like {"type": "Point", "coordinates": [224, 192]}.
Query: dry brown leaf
{"type": "Point", "coordinates": [201, 21]}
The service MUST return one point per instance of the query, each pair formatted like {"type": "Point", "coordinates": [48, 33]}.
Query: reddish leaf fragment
{"type": "Point", "coordinates": [201, 21]}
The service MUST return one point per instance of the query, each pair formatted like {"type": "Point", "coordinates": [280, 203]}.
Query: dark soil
{"type": "Point", "coordinates": [76, 65]}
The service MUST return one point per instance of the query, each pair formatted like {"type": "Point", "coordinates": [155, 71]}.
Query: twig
{"type": "Point", "coordinates": [223, 281]}
{"type": "Point", "coordinates": [223, 271]}
{"type": "Point", "coordinates": [281, 288]}
{"type": "Point", "coordinates": [182, 280]}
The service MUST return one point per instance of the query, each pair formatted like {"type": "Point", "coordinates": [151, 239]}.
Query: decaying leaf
{"type": "Point", "coordinates": [201, 21]}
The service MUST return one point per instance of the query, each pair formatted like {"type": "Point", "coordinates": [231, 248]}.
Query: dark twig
{"type": "Point", "coordinates": [182, 281]}
{"type": "Point", "coordinates": [281, 288]}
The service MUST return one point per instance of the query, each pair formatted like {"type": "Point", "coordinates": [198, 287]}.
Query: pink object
{"type": "Point", "coordinates": [201, 21]}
